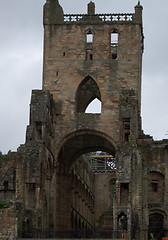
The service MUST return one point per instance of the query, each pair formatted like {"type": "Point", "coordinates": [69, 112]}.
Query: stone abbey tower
{"type": "Point", "coordinates": [55, 187]}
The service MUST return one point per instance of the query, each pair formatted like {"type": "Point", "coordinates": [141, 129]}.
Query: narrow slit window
{"type": "Point", "coordinates": [126, 129]}
{"type": "Point", "coordinates": [114, 44]}
{"type": "Point", "coordinates": [6, 185]}
{"type": "Point", "coordinates": [39, 130]}
{"type": "Point", "coordinates": [114, 56]}
{"type": "Point", "coordinates": [154, 186]}
{"type": "Point", "coordinates": [89, 37]}
{"type": "Point", "coordinates": [89, 54]}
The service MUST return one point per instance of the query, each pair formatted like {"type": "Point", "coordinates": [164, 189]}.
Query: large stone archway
{"type": "Point", "coordinates": [79, 142]}
{"type": "Point", "coordinates": [70, 148]}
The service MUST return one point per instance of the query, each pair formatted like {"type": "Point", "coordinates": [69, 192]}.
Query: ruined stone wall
{"type": "Point", "coordinates": [82, 184]}
{"type": "Point", "coordinates": [65, 65]}
{"type": "Point", "coordinates": [8, 224]}
{"type": "Point", "coordinates": [155, 173]}
{"type": "Point", "coordinates": [75, 72]}
{"type": "Point", "coordinates": [7, 172]}
{"type": "Point", "coordinates": [103, 201]}
{"type": "Point", "coordinates": [51, 193]}
{"type": "Point", "coordinates": [8, 177]}
{"type": "Point", "coordinates": [35, 187]}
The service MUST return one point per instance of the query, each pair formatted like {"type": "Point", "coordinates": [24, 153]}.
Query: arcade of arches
{"type": "Point", "coordinates": [79, 174]}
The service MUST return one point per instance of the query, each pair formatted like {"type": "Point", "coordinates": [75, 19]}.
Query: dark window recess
{"type": "Point", "coordinates": [122, 221]}
{"type": "Point", "coordinates": [31, 187]}
{"type": "Point", "coordinates": [89, 54]}
{"type": "Point", "coordinates": [125, 186]}
{"type": "Point", "coordinates": [126, 129]}
{"type": "Point", "coordinates": [154, 185]}
{"type": "Point", "coordinates": [6, 185]}
{"type": "Point", "coordinates": [57, 73]}
{"type": "Point", "coordinates": [39, 129]}
{"type": "Point", "coordinates": [64, 54]}
{"type": "Point", "coordinates": [114, 56]}
{"type": "Point", "coordinates": [124, 193]}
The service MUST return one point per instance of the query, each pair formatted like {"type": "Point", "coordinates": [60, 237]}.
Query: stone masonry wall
{"type": "Point", "coordinates": [65, 65]}
{"type": "Point", "coordinates": [8, 227]}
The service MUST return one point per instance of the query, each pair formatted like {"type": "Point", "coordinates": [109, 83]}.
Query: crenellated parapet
{"type": "Point", "coordinates": [54, 14]}
{"type": "Point", "coordinates": [98, 18]}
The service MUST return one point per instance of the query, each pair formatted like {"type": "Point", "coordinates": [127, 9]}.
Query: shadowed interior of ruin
{"type": "Point", "coordinates": [79, 174]}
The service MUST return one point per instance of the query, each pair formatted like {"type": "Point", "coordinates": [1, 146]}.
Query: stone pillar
{"type": "Point", "coordinates": [118, 192]}
{"type": "Point", "coordinates": [138, 13]}
{"type": "Point", "coordinates": [63, 204]}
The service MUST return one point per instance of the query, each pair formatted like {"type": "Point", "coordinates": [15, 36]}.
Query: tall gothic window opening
{"type": "Point", "coordinates": [88, 97]}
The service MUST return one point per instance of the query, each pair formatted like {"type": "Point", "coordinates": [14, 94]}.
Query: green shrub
{"type": "Point", "coordinates": [4, 204]}
{"type": "Point", "coordinates": [152, 237]}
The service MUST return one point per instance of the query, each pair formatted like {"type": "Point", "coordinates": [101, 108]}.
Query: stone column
{"type": "Point", "coordinates": [63, 204]}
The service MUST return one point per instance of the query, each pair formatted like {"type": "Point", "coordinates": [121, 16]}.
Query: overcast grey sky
{"type": "Point", "coordinates": [21, 50]}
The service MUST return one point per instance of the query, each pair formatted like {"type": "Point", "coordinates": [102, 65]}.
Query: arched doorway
{"type": "Point", "coordinates": [83, 141]}
{"type": "Point", "coordinates": [156, 221]}
{"type": "Point", "coordinates": [122, 225]}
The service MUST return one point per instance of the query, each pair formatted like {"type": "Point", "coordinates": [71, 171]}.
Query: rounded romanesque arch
{"type": "Point", "coordinates": [156, 224]}
{"type": "Point", "coordinates": [74, 177]}
{"type": "Point", "coordinates": [122, 220]}
{"type": "Point", "coordinates": [79, 142]}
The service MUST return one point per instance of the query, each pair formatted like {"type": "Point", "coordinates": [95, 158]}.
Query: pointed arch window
{"type": "Point", "coordinates": [87, 92]}
{"type": "Point", "coordinates": [94, 106]}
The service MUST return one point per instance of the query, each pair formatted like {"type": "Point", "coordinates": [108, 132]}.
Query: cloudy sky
{"type": "Point", "coordinates": [21, 51]}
